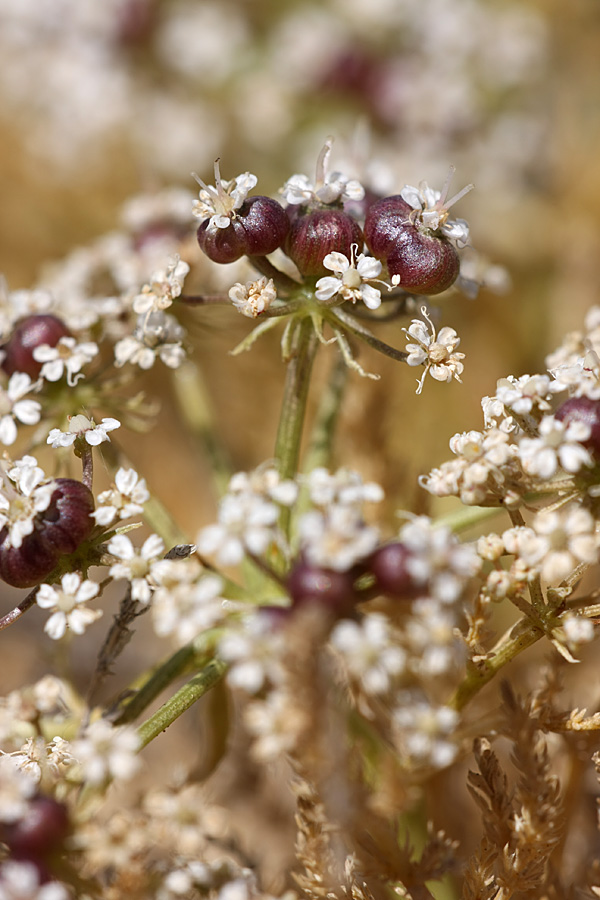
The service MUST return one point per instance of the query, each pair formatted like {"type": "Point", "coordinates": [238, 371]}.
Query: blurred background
{"type": "Point", "coordinates": [103, 101]}
{"type": "Point", "coordinates": [100, 101]}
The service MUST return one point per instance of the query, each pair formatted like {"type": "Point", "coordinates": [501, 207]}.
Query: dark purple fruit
{"type": "Point", "coordinates": [331, 590]}
{"type": "Point", "coordinates": [42, 829]}
{"type": "Point", "coordinates": [29, 333]}
{"type": "Point", "coordinates": [29, 564]}
{"type": "Point", "coordinates": [385, 222]}
{"type": "Point", "coordinates": [67, 521]}
{"type": "Point", "coordinates": [58, 530]}
{"type": "Point", "coordinates": [315, 234]}
{"type": "Point", "coordinates": [259, 227]}
{"type": "Point", "coordinates": [392, 576]}
{"type": "Point", "coordinates": [583, 409]}
{"type": "Point", "coordinates": [424, 261]}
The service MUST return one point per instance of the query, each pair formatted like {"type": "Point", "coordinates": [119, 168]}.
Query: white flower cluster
{"type": "Point", "coordinates": [248, 517]}
{"type": "Point", "coordinates": [334, 534]}
{"type": "Point", "coordinates": [187, 601]}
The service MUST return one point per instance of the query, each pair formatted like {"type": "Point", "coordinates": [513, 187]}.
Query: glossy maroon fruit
{"type": "Point", "coordinates": [425, 261]}
{"type": "Point", "coordinates": [67, 521]}
{"type": "Point", "coordinates": [27, 565]}
{"type": "Point", "coordinates": [259, 227]}
{"type": "Point", "coordinates": [583, 409]}
{"type": "Point", "coordinates": [58, 530]}
{"type": "Point", "coordinates": [314, 234]}
{"type": "Point", "coordinates": [392, 576]}
{"type": "Point", "coordinates": [40, 831]}
{"type": "Point", "coordinates": [385, 222]}
{"type": "Point", "coordinates": [334, 591]}
{"type": "Point", "coordinates": [29, 333]}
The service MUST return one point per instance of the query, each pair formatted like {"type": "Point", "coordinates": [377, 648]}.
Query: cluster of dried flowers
{"type": "Point", "coordinates": [353, 655]}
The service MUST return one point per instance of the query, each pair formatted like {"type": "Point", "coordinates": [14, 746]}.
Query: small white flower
{"type": "Point", "coordinates": [351, 279]}
{"type": "Point", "coordinates": [125, 500]}
{"type": "Point", "coordinates": [558, 444]}
{"type": "Point", "coordinates": [21, 881]}
{"type": "Point", "coordinates": [423, 732]}
{"type": "Point", "coordinates": [437, 352]}
{"type": "Point", "coordinates": [66, 357]}
{"type": "Point", "coordinates": [219, 203]}
{"type": "Point", "coordinates": [183, 607]}
{"type": "Point", "coordinates": [254, 297]}
{"type": "Point", "coordinates": [17, 787]}
{"type": "Point", "coordinates": [165, 286]}
{"type": "Point", "coordinates": [570, 538]}
{"type": "Point", "coordinates": [20, 505]}
{"type": "Point", "coordinates": [82, 427]}
{"type": "Point", "coordinates": [432, 209]}
{"type": "Point", "coordinates": [156, 335]}
{"type": "Point", "coordinates": [14, 406]}
{"type": "Point", "coordinates": [578, 629]}
{"type": "Point", "coordinates": [336, 538]}
{"type": "Point", "coordinates": [136, 565]}
{"type": "Point", "coordinates": [328, 187]}
{"type": "Point", "coordinates": [65, 604]}
{"type": "Point", "coordinates": [370, 652]}
{"type": "Point", "coordinates": [106, 752]}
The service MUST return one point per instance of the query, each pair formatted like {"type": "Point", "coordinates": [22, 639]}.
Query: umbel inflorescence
{"type": "Point", "coordinates": [353, 653]}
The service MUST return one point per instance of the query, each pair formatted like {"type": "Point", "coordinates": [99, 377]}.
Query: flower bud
{"type": "Point", "coordinates": [29, 333]}
{"type": "Point", "coordinates": [425, 261]}
{"type": "Point", "coordinates": [392, 576]}
{"type": "Point", "coordinates": [331, 590]}
{"type": "Point", "coordinates": [257, 228]}
{"type": "Point", "coordinates": [314, 234]}
{"type": "Point", "coordinates": [68, 521]}
{"type": "Point", "coordinates": [583, 409]}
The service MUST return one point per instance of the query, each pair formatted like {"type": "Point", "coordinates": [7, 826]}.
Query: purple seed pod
{"type": "Point", "coordinates": [29, 333]}
{"type": "Point", "coordinates": [426, 262]}
{"type": "Point", "coordinates": [314, 234]}
{"type": "Point", "coordinates": [29, 564]}
{"type": "Point", "coordinates": [392, 576]}
{"type": "Point", "coordinates": [259, 227]}
{"type": "Point", "coordinates": [583, 409]}
{"type": "Point", "coordinates": [39, 832]}
{"type": "Point", "coordinates": [67, 521]}
{"type": "Point", "coordinates": [385, 222]}
{"type": "Point", "coordinates": [331, 590]}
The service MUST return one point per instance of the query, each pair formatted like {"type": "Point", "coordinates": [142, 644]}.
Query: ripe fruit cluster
{"type": "Point", "coordinates": [419, 256]}
{"type": "Point", "coordinates": [386, 572]}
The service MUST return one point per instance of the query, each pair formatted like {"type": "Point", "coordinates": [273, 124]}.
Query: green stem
{"type": "Point", "coordinates": [293, 409]}
{"type": "Point", "coordinates": [185, 697]}
{"type": "Point", "coordinates": [160, 679]}
{"type": "Point", "coordinates": [525, 634]}
{"type": "Point", "coordinates": [320, 449]}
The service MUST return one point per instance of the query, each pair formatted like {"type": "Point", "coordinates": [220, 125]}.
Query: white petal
{"type": "Point", "coordinates": [327, 287]}
{"type": "Point", "coordinates": [371, 297]}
